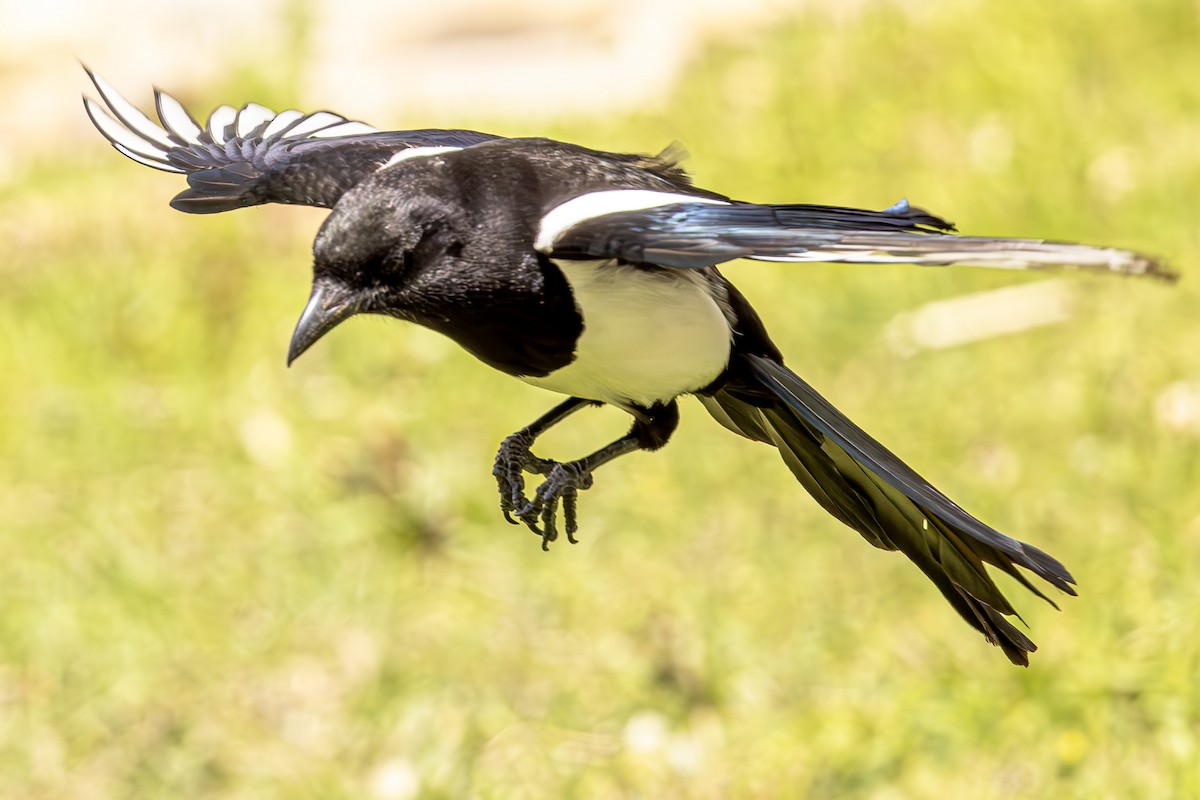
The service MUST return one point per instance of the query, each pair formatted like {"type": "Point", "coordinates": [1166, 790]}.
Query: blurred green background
{"type": "Point", "coordinates": [222, 578]}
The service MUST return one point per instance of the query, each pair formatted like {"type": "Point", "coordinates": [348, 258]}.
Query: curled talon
{"type": "Point", "coordinates": [540, 512]}
{"type": "Point", "coordinates": [563, 484]}
{"type": "Point", "coordinates": [512, 460]}
{"type": "Point", "coordinates": [564, 480]}
{"type": "Point", "coordinates": [570, 501]}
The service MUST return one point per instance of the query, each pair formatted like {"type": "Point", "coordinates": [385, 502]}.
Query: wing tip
{"type": "Point", "coordinates": [919, 217]}
{"type": "Point", "coordinates": [126, 127]}
{"type": "Point", "coordinates": [1154, 267]}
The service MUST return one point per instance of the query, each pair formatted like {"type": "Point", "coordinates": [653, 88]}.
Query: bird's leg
{"type": "Point", "coordinates": [515, 458]}
{"type": "Point", "coordinates": [652, 427]}
{"type": "Point", "coordinates": [563, 483]}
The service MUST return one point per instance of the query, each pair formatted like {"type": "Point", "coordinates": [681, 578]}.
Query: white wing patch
{"type": "Point", "coordinates": [138, 137]}
{"type": "Point", "coordinates": [129, 115]}
{"type": "Point", "coordinates": [282, 121]}
{"type": "Point", "coordinates": [126, 141]}
{"type": "Point", "coordinates": [219, 121]}
{"type": "Point", "coordinates": [176, 119]}
{"type": "Point", "coordinates": [417, 152]}
{"type": "Point", "coordinates": [251, 116]}
{"type": "Point", "coordinates": [562, 218]}
{"type": "Point", "coordinates": [313, 123]}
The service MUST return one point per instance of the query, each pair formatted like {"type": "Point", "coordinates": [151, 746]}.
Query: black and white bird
{"type": "Point", "coordinates": [594, 275]}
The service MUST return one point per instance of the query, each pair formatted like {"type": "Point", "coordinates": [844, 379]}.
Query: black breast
{"type": "Point", "coordinates": [501, 300]}
{"type": "Point", "coordinates": [527, 326]}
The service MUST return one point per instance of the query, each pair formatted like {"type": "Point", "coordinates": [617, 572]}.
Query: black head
{"type": "Point", "coordinates": [446, 241]}
{"type": "Point", "coordinates": [379, 246]}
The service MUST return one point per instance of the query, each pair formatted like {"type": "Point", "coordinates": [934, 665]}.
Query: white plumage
{"type": "Point", "coordinates": [649, 335]}
{"type": "Point", "coordinates": [562, 218]}
{"type": "Point", "coordinates": [417, 152]}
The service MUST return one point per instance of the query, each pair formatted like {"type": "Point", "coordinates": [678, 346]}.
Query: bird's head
{"type": "Point", "coordinates": [377, 253]}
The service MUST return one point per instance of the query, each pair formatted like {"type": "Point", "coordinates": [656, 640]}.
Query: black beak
{"type": "Point", "coordinates": [329, 304]}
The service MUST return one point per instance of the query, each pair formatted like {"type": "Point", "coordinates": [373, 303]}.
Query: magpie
{"type": "Point", "coordinates": [594, 275]}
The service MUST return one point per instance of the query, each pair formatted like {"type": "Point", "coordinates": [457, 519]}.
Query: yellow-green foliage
{"type": "Point", "coordinates": [221, 578]}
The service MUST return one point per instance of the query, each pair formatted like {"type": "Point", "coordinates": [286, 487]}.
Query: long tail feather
{"type": "Point", "coordinates": [868, 488]}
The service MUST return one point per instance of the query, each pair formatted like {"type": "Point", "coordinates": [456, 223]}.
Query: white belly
{"type": "Point", "coordinates": [648, 336]}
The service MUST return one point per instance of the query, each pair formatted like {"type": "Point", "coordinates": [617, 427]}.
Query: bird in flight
{"type": "Point", "coordinates": [594, 275]}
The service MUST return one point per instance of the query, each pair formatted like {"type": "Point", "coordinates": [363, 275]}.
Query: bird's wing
{"type": "Point", "coordinates": [685, 232]}
{"type": "Point", "coordinates": [249, 156]}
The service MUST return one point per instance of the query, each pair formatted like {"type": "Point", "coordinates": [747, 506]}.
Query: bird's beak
{"type": "Point", "coordinates": [329, 304]}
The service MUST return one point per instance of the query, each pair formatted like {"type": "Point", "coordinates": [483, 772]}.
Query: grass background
{"type": "Point", "coordinates": [221, 578]}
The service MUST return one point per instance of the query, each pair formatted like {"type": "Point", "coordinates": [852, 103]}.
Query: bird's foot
{"type": "Point", "coordinates": [563, 483]}
{"type": "Point", "coordinates": [513, 460]}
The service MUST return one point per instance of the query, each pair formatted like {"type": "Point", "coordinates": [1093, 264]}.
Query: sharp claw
{"type": "Point", "coordinates": [508, 469]}
{"type": "Point", "coordinates": [548, 522]}
{"type": "Point", "coordinates": [569, 514]}
{"type": "Point", "coordinates": [539, 513]}
{"type": "Point", "coordinates": [531, 522]}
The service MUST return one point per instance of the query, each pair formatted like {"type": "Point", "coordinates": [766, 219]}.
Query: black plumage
{"type": "Point", "coordinates": [594, 274]}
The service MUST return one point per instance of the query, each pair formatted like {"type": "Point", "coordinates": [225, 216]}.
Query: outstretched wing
{"type": "Point", "coordinates": [677, 230]}
{"type": "Point", "coordinates": [249, 156]}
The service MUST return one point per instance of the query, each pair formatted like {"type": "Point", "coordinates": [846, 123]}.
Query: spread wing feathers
{"type": "Point", "coordinates": [248, 156]}
{"type": "Point", "coordinates": [861, 483]}
{"type": "Point", "coordinates": [688, 235]}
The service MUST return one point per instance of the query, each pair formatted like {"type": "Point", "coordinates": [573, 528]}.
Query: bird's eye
{"type": "Point", "coordinates": [392, 266]}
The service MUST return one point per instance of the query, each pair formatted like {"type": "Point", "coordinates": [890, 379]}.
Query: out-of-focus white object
{"type": "Point", "coordinates": [982, 315]}
{"type": "Point", "coordinates": [386, 60]}
{"type": "Point", "coordinates": [1177, 407]}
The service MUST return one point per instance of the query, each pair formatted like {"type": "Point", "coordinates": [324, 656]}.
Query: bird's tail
{"type": "Point", "coordinates": [859, 481]}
